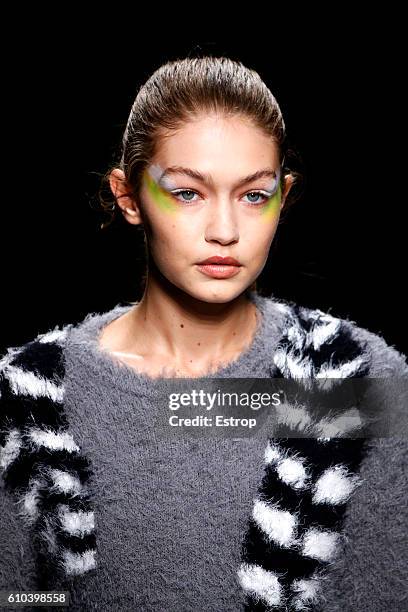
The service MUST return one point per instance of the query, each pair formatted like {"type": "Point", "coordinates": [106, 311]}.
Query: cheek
{"type": "Point", "coordinates": [168, 229]}
{"type": "Point", "coordinates": [169, 240]}
{"type": "Point", "coordinates": [257, 240]}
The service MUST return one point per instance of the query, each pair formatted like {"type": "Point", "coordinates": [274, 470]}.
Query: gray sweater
{"type": "Point", "coordinates": [172, 511]}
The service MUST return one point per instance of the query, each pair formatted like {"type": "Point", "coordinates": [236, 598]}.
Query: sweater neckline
{"type": "Point", "coordinates": [84, 342]}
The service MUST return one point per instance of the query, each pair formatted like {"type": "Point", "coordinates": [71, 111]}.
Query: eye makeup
{"type": "Point", "coordinates": [159, 189]}
{"type": "Point", "coordinates": [156, 172]}
{"type": "Point", "coordinates": [271, 208]}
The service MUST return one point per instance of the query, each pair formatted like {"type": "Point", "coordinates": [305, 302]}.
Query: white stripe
{"type": "Point", "coordinates": [79, 563]}
{"type": "Point", "coordinates": [319, 544]}
{"type": "Point", "coordinates": [299, 367]}
{"type": "Point", "coordinates": [260, 583]}
{"type": "Point", "coordinates": [296, 337]}
{"type": "Point", "coordinates": [293, 416]}
{"type": "Point", "coordinates": [292, 472]}
{"type": "Point", "coordinates": [77, 522]}
{"type": "Point", "coordinates": [344, 370]}
{"type": "Point", "coordinates": [346, 423]}
{"type": "Point", "coordinates": [65, 482]}
{"type": "Point", "coordinates": [324, 332]}
{"type": "Point", "coordinates": [53, 440]}
{"type": "Point", "coordinates": [307, 591]}
{"type": "Point", "coordinates": [311, 315]}
{"type": "Point", "coordinates": [272, 453]}
{"type": "Point", "coordinates": [56, 335]}
{"type": "Point", "coordinates": [27, 383]}
{"type": "Point", "coordinates": [334, 486]}
{"type": "Point", "coordinates": [11, 449]}
{"type": "Point", "coordinates": [278, 525]}
{"type": "Point", "coordinates": [12, 352]}
{"type": "Point", "coordinates": [29, 501]}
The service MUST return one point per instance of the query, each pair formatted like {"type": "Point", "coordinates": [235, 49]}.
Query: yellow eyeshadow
{"type": "Point", "coordinates": [167, 204]}
{"type": "Point", "coordinates": [159, 195]}
{"type": "Point", "coordinates": [272, 206]}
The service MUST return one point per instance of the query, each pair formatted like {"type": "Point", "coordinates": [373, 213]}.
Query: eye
{"type": "Point", "coordinates": [189, 193]}
{"type": "Point", "coordinates": [265, 195]}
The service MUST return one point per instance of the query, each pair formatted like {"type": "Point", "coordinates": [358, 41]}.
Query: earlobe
{"type": "Point", "coordinates": [121, 191]}
{"type": "Point", "coordinates": [130, 211]}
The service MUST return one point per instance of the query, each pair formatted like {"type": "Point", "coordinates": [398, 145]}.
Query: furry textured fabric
{"type": "Point", "coordinates": [296, 520]}
{"type": "Point", "coordinates": [294, 529]}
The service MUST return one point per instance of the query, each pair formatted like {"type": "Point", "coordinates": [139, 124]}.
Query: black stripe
{"type": "Point", "coordinates": [273, 489]}
{"type": "Point", "coordinates": [25, 465]}
{"type": "Point", "coordinates": [76, 544]}
{"type": "Point", "coordinates": [321, 455]}
{"type": "Point", "coordinates": [80, 502]}
{"type": "Point", "coordinates": [271, 556]}
{"type": "Point", "coordinates": [42, 358]}
{"type": "Point", "coordinates": [339, 349]}
{"type": "Point", "coordinates": [25, 411]}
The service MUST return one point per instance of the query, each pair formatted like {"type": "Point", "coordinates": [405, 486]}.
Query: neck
{"type": "Point", "coordinates": [182, 330]}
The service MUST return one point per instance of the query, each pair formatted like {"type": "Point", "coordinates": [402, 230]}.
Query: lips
{"type": "Point", "coordinates": [219, 267]}
{"type": "Point", "coordinates": [222, 261]}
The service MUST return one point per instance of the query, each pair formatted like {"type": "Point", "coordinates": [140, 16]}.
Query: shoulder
{"type": "Point", "coordinates": [43, 357]}
{"type": "Point", "coordinates": [31, 388]}
{"type": "Point", "coordinates": [313, 335]}
{"type": "Point", "coordinates": [385, 358]}
{"type": "Point", "coordinates": [31, 395]}
{"type": "Point", "coordinates": [28, 366]}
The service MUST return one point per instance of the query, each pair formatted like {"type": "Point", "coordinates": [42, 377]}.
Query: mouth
{"type": "Point", "coordinates": [218, 271]}
{"type": "Point", "coordinates": [217, 259]}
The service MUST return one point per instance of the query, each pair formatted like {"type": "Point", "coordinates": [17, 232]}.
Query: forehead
{"type": "Point", "coordinates": [214, 141]}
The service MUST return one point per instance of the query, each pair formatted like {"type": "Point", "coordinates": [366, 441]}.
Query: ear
{"type": "Point", "coordinates": [122, 193]}
{"type": "Point", "coordinates": [289, 180]}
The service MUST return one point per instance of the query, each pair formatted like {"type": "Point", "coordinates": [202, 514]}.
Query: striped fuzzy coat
{"type": "Point", "coordinates": [294, 531]}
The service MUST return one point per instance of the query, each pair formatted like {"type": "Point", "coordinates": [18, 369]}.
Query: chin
{"type": "Point", "coordinates": [218, 294]}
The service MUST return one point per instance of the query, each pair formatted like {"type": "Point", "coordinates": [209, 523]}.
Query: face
{"type": "Point", "coordinates": [212, 189]}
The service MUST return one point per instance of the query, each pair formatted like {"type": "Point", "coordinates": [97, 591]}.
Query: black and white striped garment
{"type": "Point", "coordinates": [41, 462]}
{"type": "Point", "coordinates": [294, 530]}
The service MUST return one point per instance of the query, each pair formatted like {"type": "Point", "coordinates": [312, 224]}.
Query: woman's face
{"type": "Point", "coordinates": [199, 201]}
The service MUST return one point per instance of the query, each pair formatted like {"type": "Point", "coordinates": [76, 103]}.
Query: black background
{"type": "Point", "coordinates": [68, 92]}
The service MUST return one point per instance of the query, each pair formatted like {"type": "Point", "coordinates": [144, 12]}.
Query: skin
{"type": "Point", "coordinates": [195, 322]}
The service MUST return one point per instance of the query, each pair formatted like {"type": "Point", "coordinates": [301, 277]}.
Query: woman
{"type": "Point", "coordinates": [125, 518]}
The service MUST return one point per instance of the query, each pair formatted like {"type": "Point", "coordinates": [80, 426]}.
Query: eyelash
{"type": "Point", "coordinates": [266, 195]}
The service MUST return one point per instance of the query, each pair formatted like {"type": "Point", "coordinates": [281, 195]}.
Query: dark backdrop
{"type": "Point", "coordinates": [67, 97]}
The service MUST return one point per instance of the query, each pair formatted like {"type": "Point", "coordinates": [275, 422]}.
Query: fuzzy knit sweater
{"type": "Point", "coordinates": [172, 514]}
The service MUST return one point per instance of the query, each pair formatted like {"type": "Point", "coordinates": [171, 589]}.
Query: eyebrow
{"type": "Point", "coordinates": [207, 179]}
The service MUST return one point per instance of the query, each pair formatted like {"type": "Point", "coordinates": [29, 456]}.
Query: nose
{"type": "Point", "coordinates": [222, 222]}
